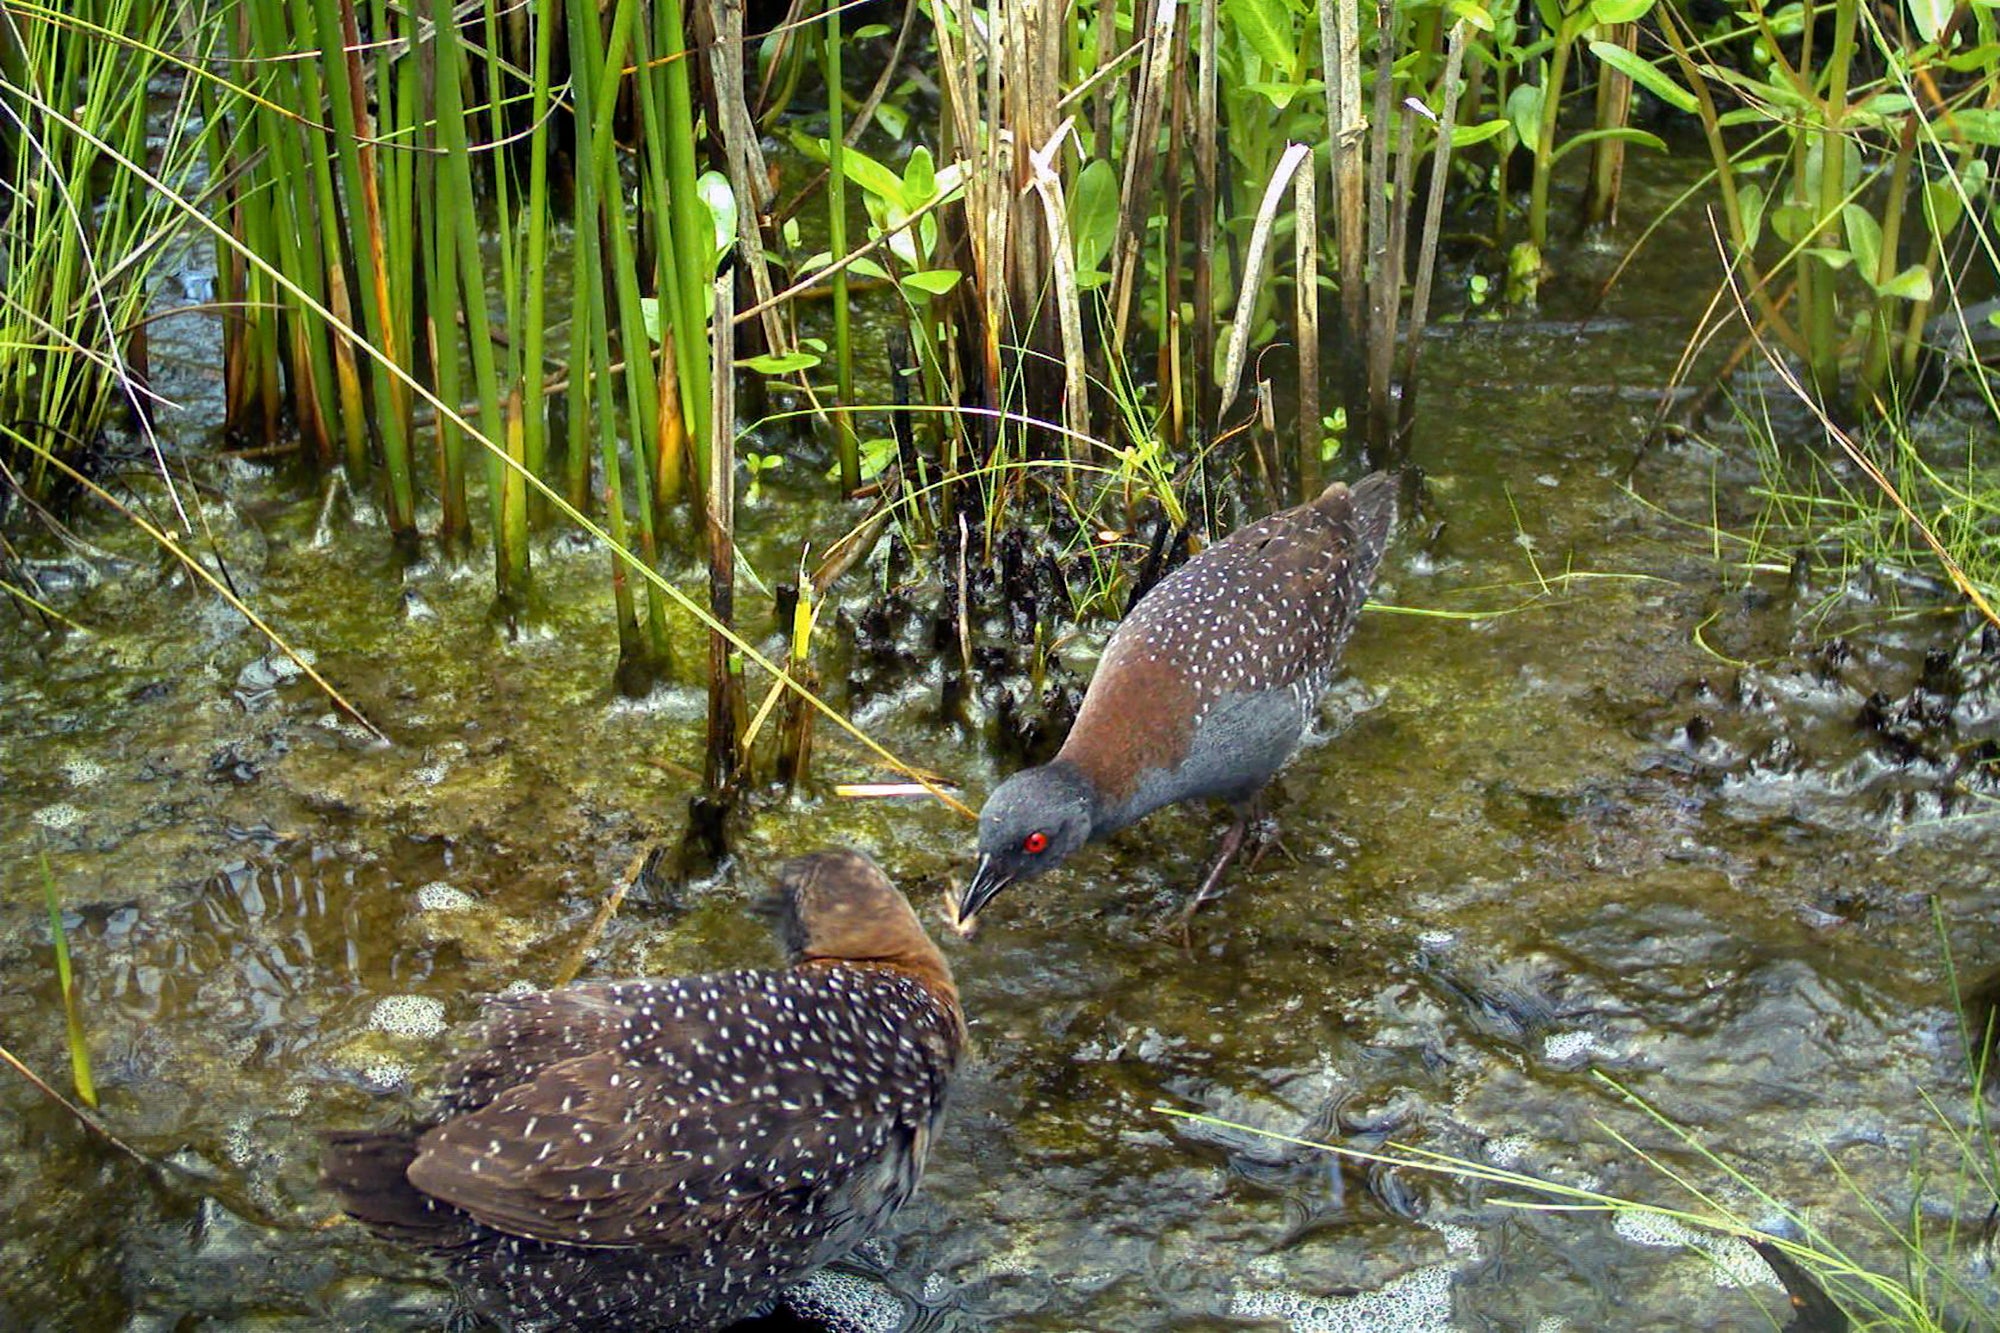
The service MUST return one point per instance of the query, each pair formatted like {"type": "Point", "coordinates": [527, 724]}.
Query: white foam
{"type": "Point", "coordinates": [438, 896]}
{"type": "Point", "coordinates": [1417, 1302]}
{"type": "Point", "coordinates": [408, 1015]}
{"type": "Point", "coordinates": [82, 772]}
{"type": "Point", "coordinates": [1735, 1263]}
{"type": "Point", "coordinates": [1559, 1046]}
{"type": "Point", "coordinates": [847, 1304]}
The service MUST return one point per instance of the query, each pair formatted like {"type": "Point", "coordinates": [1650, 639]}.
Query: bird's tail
{"type": "Point", "coordinates": [367, 1171]}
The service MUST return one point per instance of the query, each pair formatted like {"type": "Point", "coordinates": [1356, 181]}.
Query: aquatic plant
{"type": "Point", "coordinates": [79, 1045]}
{"type": "Point", "coordinates": [82, 243]}
{"type": "Point", "coordinates": [1873, 145]}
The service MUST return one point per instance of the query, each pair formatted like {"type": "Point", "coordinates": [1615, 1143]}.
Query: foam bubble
{"type": "Point", "coordinates": [438, 896]}
{"type": "Point", "coordinates": [1458, 1238]}
{"type": "Point", "coordinates": [1735, 1263]}
{"type": "Point", "coordinates": [846, 1303]}
{"type": "Point", "coordinates": [408, 1015]}
{"type": "Point", "coordinates": [1417, 1302]}
{"type": "Point", "coordinates": [62, 815]}
{"type": "Point", "coordinates": [386, 1075]}
{"type": "Point", "coordinates": [82, 772]}
{"type": "Point", "coordinates": [1558, 1046]}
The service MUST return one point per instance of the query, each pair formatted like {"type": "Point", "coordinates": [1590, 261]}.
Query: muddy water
{"type": "Point", "coordinates": [1628, 827]}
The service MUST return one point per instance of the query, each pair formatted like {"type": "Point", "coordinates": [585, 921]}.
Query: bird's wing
{"type": "Point", "coordinates": [520, 1035]}
{"type": "Point", "coordinates": [687, 1133]}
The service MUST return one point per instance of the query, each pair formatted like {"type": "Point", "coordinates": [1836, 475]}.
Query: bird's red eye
{"type": "Point", "coordinates": [1035, 843]}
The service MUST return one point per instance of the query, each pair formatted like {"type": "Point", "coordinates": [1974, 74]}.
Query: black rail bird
{"type": "Point", "coordinates": [669, 1154]}
{"type": "Point", "coordinates": [1203, 690]}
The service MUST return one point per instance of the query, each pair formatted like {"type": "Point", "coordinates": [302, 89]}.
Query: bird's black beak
{"type": "Point", "coordinates": [987, 880]}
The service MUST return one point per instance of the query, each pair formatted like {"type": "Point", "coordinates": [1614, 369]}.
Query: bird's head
{"type": "Point", "coordinates": [838, 906]}
{"type": "Point", "coordinates": [1029, 825]}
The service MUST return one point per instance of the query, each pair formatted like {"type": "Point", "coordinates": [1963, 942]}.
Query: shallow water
{"type": "Point", "coordinates": [1630, 829]}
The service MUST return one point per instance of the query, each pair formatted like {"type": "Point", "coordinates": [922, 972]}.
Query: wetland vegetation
{"type": "Point", "coordinates": [481, 485]}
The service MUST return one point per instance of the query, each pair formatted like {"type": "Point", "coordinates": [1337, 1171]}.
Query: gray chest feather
{"type": "Point", "coordinates": [1241, 741]}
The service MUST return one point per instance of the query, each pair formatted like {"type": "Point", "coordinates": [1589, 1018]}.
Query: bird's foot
{"type": "Point", "coordinates": [1264, 839]}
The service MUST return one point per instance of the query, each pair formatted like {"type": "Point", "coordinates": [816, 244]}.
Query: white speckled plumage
{"type": "Point", "coordinates": [669, 1154]}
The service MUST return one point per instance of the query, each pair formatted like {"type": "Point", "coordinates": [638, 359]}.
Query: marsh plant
{"type": "Point", "coordinates": [500, 265]}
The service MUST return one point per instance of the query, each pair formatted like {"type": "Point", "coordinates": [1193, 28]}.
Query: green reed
{"type": "Point", "coordinates": [847, 448]}
{"type": "Point", "coordinates": [83, 242]}
{"type": "Point", "coordinates": [79, 1047]}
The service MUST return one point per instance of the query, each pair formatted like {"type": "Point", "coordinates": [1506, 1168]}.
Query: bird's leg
{"type": "Point", "coordinates": [1211, 883]}
{"type": "Point", "coordinates": [1225, 853]}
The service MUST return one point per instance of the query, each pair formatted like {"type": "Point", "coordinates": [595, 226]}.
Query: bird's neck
{"type": "Point", "coordinates": [1077, 779]}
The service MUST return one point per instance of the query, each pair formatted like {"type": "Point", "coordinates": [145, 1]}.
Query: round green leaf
{"type": "Point", "coordinates": [786, 364]}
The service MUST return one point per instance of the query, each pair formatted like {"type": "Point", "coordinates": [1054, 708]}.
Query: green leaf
{"type": "Point", "coordinates": [876, 455]}
{"type": "Point", "coordinates": [1524, 113]}
{"type": "Point", "coordinates": [1864, 239]}
{"type": "Point", "coordinates": [1464, 136]}
{"type": "Point", "coordinates": [1750, 201]}
{"type": "Point", "coordinates": [1646, 74]}
{"type": "Point", "coordinates": [870, 175]}
{"type": "Point", "coordinates": [919, 179]}
{"type": "Point", "coordinates": [1791, 222]}
{"type": "Point", "coordinates": [1885, 104]}
{"type": "Point", "coordinates": [1619, 11]}
{"type": "Point", "coordinates": [868, 268]}
{"type": "Point", "coordinates": [1640, 137]}
{"type": "Point", "coordinates": [933, 281]}
{"type": "Point", "coordinates": [1831, 257]}
{"type": "Point", "coordinates": [1912, 284]}
{"type": "Point", "coordinates": [1278, 94]}
{"type": "Point", "coordinates": [649, 315]}
{"type": "Point", "coordinates": [1973, 58]}
{"type": "Point", "coordinates": [1979, 125]}
{"type": "Point", "coordinates": [1474, 14]}
{"type": "Point", "coordinates": [787, 364]}
{"type": "Point", "coordinates": [1267, 26]}
{"type": "Point", "coordinates": [1942, 208]}
{"type": "Point", "coordinates": [1744, 115]}
{"type": "Point", "coordinates": [1930, 16]}
{"type": "Point", "coordinates": [720, 201]}
{"type": "Point", "coordinates": [1093, 213]}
